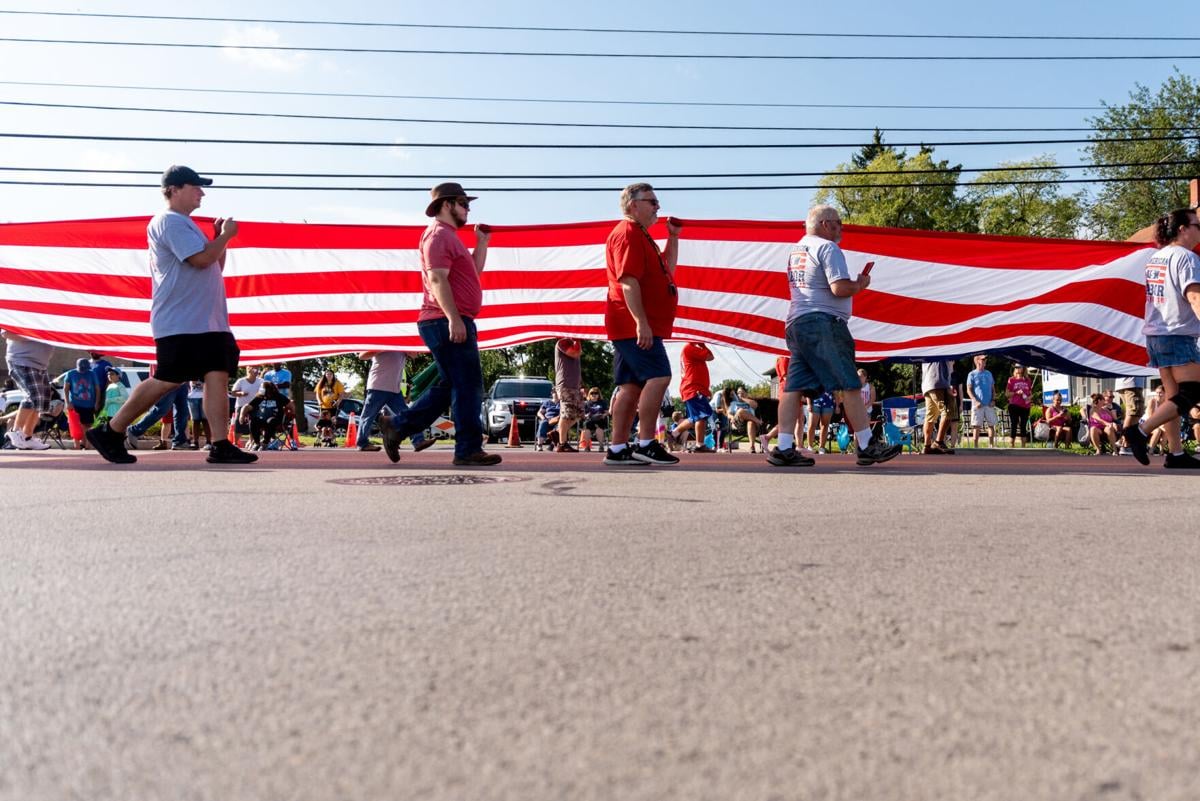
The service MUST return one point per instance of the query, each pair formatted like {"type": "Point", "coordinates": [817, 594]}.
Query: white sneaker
{"type": "Point", "coordinates": [35, 444]}
{"type": "Point", "coordinates": [820, 450]}
{"type": "Point", "coordinates": [17, 438]}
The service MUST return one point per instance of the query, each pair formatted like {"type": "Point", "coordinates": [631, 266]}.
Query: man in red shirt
{"type": "Point", "coordinates": [696, 391]}
{"type": "Point", "coordinates": [446, 323]}
{"type": "Point", "coordinates": [638, 316]}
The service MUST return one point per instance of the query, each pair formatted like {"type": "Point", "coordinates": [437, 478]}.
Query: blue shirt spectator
{"type": "Point", "coordinates": [983, 386]}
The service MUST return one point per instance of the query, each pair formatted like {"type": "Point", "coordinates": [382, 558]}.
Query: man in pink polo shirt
{"type": "Point", "coordinates": [446, 323]}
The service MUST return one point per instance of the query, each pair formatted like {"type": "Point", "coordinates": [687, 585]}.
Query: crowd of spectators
{"type": "Point", "coordinates": [710, 419]}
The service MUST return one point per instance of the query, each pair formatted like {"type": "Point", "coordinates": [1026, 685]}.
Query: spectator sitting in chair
{"type": "Point", "coordinates": [1102, 425]}
{"type": "Point", "coordinates": [326, 437]}
{"type": "Point", "coordinates": [547, 423]}
{"type": "Point", "coordinates": [264, 413]}
{"type": "Point", "coordinates": [1058, 418]}
{"type": "Point", "coordinates": [595, 415]}
{"type": "Point", "coordinates": [741, 410]}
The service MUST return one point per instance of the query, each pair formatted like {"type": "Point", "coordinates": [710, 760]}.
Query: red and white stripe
{"type": "Point", "coordinates": [298, 290]}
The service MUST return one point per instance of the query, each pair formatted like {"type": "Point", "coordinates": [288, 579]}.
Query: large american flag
{"type": "Point", "coordinates": [300, 290]}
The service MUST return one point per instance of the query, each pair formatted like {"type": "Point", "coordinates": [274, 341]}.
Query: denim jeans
{"type": "Point", "coordinates": [177, 398]}
{"type": "Point", "coordinates": [375, 401]}
{"type": "Point", "coordinates": [459, 385]}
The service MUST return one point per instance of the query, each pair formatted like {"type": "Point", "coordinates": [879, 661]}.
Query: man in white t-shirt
{"type": "Point", "coordinates": [245, 388]}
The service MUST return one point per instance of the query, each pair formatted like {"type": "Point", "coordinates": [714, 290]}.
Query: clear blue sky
{"type": "Point", "coordinates": [985, 83]}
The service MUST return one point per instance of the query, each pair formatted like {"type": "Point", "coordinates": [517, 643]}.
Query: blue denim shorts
{"type": "Point", "coordinates": [632, 365]}
{"type": "Point", "coordinates": [698, 408]}
{"type": "Point", "coordinates": [1172, 350]}
{"type": "Point", "coordinates": [822, 354]}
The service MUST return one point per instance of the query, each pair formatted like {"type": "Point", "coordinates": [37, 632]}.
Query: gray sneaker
{"type": "Point", "coordinates": [131, 440]}
{"type": "Point", "coordinates": [878, 452]}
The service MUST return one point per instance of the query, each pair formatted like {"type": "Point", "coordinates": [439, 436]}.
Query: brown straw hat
{"type": "Point", "coordinates": [442, 191]}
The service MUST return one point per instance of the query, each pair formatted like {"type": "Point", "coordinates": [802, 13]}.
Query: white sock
{"type": "Point", "coordinates": [1177, 454]}
{"type": "Point", "coordinates": [615, 448]}
{"type": "Point", "coordinates": [643, 443]}
{"type": "Point", "coordinates": [786, 441]}
{"type": "Point", "coordinates": [863, 438]}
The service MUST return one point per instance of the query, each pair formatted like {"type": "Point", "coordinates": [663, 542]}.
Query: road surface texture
{"type": "Point", "coordinates": [976, 627]}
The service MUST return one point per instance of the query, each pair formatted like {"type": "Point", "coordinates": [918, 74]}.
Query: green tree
{"type": "Point", "coordinates": [1024, 209]}
{"type": "Point", "coordinates": [1124, 207]}
{"type": "Point", "coordinates": [868, 153]}
{"type": "Point", "coordinates": [869, 195]}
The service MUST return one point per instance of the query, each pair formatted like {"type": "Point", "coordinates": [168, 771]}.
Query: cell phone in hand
{"type": "Point", "coordinates": [867, 270]}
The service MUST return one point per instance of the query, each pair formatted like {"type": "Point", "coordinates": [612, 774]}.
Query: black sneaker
{"type": "Point", "coordinates": [946, 449]}
{"type": "Point", "coordinates": [390, 436]}
{"type": "Point", "coordinates": [878, 452]}
{"type": "Point", "coordinates": [422, 444]}
{"type": "Point", "coordinates": [225, 452]}
{"type": "Point", "coordinates": [1139, 443]}
{"type": "Point", "coordinates": [110, 445]}
{"type": "Point", "coordinates": [789, 458]}
{"type": "Point", "coordinates": [621, 458]}
{"type": "Point", "coordinates": [1181, 462]}
{"type": "Point", "coordinates": [654, 453]}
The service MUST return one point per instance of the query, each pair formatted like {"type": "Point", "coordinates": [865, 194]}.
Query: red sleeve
{"type": "Point", "coordinates": [437, 253]}
{"type": "Point", "coordinates": [627, 256]}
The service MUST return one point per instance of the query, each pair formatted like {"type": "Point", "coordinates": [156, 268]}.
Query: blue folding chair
{"type": "Point", "coordinates": [900, 422]}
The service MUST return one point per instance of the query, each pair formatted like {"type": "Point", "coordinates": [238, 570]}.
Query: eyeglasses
{"type": "Point", "coordinates": [465, 204]}
{"type": "Point", "coordinates": [653, 201]}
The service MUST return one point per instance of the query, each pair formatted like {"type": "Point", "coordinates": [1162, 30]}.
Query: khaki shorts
{"type": "Point", "coordinates": [1133, 402]}
{"type": "Point", "coordinates": [937, 403]}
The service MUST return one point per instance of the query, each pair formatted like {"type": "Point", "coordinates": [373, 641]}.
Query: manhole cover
{"type": "Point", "coordinates": [426, 481]}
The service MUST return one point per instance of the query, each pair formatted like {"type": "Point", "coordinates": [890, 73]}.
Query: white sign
{"type": "Point", "coordinates": [1055, 382]}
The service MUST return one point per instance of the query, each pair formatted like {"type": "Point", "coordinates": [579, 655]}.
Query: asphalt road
{"type": "Point", "coordinates": [978, 627]}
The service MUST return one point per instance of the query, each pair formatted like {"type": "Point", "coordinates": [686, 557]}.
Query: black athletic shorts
{"type": "Point", "coordinates": [190, 357]}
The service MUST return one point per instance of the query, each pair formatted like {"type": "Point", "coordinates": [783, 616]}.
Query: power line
{"type": "Point", "coordinates": [623, 175]}
{"type": "Point", "coordinates": [590, 146]}
{"type": "Point", "coordinates": [554, 100]}
{"type": "Point", "coordinates": [654, 31]}
{"type": "Point", "coordinates": [553, 124]}
{"type": "Point", "coordinates": [543, 189]}
{"type": "Point", "coordinates": [606, 55]}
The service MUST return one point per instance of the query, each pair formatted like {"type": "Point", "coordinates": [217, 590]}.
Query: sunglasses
{"type": "Point", "coordinates": [465, 204]}
{"type": "Point", "coordinates": [651, 200]}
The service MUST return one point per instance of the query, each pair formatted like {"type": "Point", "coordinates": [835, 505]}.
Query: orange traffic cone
{"type": "Point", "coordinates": [233, 432]}
{"type": "Point", "coordinates": [585, 440]}
{"type": "Point", "coordinates": [295, 437]}
{"type": "Point", "coordinates": [352, 431]}
{"type": "Point", "coordinates": [514, 438]}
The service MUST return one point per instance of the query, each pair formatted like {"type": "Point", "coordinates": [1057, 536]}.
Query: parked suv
{"type": "Point", "coordinates": [514, 395]}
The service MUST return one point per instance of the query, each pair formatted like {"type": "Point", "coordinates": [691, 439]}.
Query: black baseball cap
{"type": "Point", "coordinates": [178, 175]}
